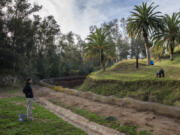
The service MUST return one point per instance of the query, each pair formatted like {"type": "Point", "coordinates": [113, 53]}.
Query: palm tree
{"type": "Point", "coordinates": [170, 34]}
{"type": "Point", "coordinates": [143, 21]}
{"type": "Point", "coordinates": [99, 46]}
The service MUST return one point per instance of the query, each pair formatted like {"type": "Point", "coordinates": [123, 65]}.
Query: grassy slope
{"type": "Point", "coordinates": [126, 71]}
{"type": "Point", "coordinates": [123, 79]}
{"type": "Point", "coordinates": [45, 122]}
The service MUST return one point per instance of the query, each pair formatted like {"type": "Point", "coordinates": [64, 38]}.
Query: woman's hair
{"type": "Point", "coordinates": [27, 81]}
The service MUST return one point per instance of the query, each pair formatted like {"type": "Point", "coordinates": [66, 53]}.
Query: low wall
{"type": "Point", "coordinates": [126, 102]}
{"type": "Point", "coordinates": [67, 82]}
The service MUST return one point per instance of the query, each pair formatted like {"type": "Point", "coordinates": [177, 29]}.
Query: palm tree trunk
{"type": "Point", "coordinates": [148, 55]}
{"type": "Point", "coordinates": [103, 60]}
{"type": "Point", "coordinates": [171, 54]}
{"type": "Point", "coordinates": [171, 51]}
{"type": "Point", "coordinates": [147, 46]}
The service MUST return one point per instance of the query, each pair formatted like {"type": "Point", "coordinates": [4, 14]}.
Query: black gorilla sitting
{"type": "Point", "coordinates": [160, 73]}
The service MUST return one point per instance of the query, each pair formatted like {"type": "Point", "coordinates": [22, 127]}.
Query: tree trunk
{"type": "Point", "coordinates": [147, 46]}
{"type": "Point", "coordinates": [137, 62]}
{"type": "Point", "coordinates": [148, 54]}
{"type": "Point", "coordinates": [103, 66]}
{"type": "Point", "coordinates": [102, 59]}
{"type": "Point", "coordinates": [171, 56]}
{"type": "Point", "coordinates": [103, 63]}
{"type": "Point", "coordinates": [171, 52]}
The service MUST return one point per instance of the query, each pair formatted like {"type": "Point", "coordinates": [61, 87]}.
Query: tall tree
{"type": "Point", "coordinates": [143, 21]}
{"type": "Point", "coordinates": [137, 49]}
{"type": "Point", "coordinates": [170, 34]}
{"type": "Point", "coordinates": [16, 31]}
{"type": "Point", "coordinates": [122, 49]}
{"type": "Point", "coordinates": [115, 36]}
{"type": "Point", "coordinates": [98, 45]}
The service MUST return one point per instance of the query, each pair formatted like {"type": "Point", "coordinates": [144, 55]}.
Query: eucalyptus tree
{"type": "Point", "coordinates": [137, 49]}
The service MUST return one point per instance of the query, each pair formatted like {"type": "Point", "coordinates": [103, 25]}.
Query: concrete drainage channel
{"type": "Point", "coordinates": [89, 127]}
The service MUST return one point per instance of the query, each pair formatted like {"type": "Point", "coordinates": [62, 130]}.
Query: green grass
{"type": "Point", "coordinates": [44, 123]}
{"type": "Point", "coordinates": [102, 120]}
{"type": "Point", "coordinates": [123, 79]}
{"type": "Point", "coordinates": [126, 71]}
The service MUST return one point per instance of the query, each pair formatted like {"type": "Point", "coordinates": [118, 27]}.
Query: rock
{"type": "Point", "coordinates": [111, 118]}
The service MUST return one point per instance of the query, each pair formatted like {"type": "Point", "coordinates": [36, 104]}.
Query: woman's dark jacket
{"type": "Point", "coordinates": [28, 91]}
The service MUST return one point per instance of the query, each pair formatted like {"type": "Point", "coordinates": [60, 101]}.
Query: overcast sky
{"type": "Point", "coordinates": [78, 15]}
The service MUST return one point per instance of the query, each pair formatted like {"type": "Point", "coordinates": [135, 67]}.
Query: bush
{"type": "Point", "coordinates": [85, 69]}
{"type": "Point", "coordinates": [58, 88]}
{"type": "Point", "coordinates": [9, 61]}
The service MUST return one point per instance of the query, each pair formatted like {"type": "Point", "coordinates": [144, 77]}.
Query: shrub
{"type": "Point", "coordinates": [58, 88]}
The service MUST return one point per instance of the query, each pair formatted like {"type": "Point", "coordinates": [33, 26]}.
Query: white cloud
{"type": "Point", "coordinates": [62, 11]}
{"type": "Point", "coordinates": [168, 6]}
{"type": "Point", "coordinates": [69, 15]}
{"type": "Point", "coordinates": [79, 15]}
{"type": "Point", "coordinates": [89, 16]}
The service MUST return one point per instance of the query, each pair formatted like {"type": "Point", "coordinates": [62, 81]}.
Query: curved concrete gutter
{"type": "Point", "coordinates": [78, 121]}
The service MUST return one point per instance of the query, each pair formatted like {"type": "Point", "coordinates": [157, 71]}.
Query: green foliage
{"type": "Point", "coordinates": [7, 60]}
{"type": "Point", "coordinates": [54, 67]}
{"type": "Point", "coordinates": [99, 46]}
{"type": "Point", "coordinates": [85, 69]}
{"type": "Point", "coordinates": [36, 48]}
{"type": "Point", "coordinates": [44, 123]}
{"type": "Point", "coordinates": [170, 33]}
{"type": "Point", "coordinates": [143, 21]}
{"type": "Point", "coordinates": [28, 47]}
{"type": "Point", "coordinates": [158, 50]}
{"type": "Point", "coordinates": [42, 67]}
{"type": "Point", "coordinates": [137, 50]}
{"type": "Point", "coordinates": [123, 49]}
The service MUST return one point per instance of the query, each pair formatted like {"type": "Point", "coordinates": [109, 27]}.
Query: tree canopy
{"type": "Point", "coordinates": [144, 21]}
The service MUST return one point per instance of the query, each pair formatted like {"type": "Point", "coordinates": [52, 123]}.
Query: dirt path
{"type": "Point", "coordinates": [160, 125]}
{"type": "Point", "coordinates": [78, 121]}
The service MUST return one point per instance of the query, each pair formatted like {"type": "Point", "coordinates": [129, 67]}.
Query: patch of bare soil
{"type": "Point", "coordinates": [160, 125]}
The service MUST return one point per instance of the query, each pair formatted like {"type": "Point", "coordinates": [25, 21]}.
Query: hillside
{"type": "Point", "coordinates": [126, 71]}
{"type": "Point", "coordinates": [123, 79]}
